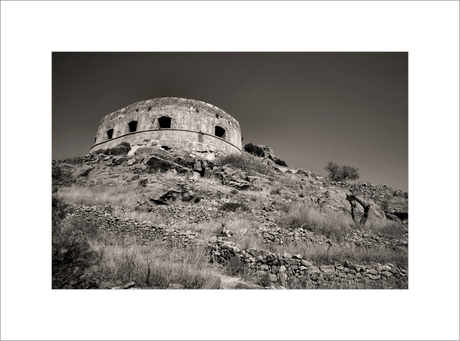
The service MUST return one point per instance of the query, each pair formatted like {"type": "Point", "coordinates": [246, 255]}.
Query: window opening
{"type": "Point", "coordinates": [132, 126]}
{"type": "Point", "coordinates": [220, 132]}
{"type": "Point", "coordinates": [165, 122]}
{"type": "Point", "coordinates": [110, 133]}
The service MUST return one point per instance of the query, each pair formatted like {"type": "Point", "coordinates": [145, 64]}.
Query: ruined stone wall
{"type": "Point", "coordinates": [192, 126]}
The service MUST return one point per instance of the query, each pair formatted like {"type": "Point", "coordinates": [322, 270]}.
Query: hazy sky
{"type": "Point", "coordinates": [311, 108]}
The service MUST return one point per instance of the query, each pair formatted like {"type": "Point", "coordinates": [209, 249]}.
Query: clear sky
{"type": "Point", "coordinates": [311, 108]}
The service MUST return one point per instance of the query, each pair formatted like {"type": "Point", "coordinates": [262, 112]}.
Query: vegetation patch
{"type": "Point", "coordinates": [72, 256]}
{"type": "Point", "coordinates": [245, 163]}
{"type": "Point", "coordinates": [76, 160]}
{"type": "Point", "coordinates": [341, 173]}
{"type": "Point", "coordinates": [332, 225]}
{"type": "Point", "coordinates": [156, 265]}
{"type": "Point", "coordinates": [233, 207]}
{"type": "Point", "coordinates": [254, 150]}
{"type": "Point", "coordinates": [281, 163]}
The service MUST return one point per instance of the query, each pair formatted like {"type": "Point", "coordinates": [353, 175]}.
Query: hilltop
{"type": "Point", "coordinates": [160, 217]}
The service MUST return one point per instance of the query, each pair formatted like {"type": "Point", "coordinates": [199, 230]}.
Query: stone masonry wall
{"type": "Point", "coordinates": [274, 268]}
{"type": "Point", "coordinates": [193, 125]}
{"type": "Point", "coordinates": [277, 268]}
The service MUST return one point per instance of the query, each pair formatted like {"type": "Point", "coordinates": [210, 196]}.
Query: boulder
{"type": "Point", "coordinates": [167, 197]}
{"type": "Point", "coordinates": [156, 163]}
{"type": "Point", "coordinates": [175, 286]}
{"type": "Point", "coordinates": [132, 162]}
{"type": "Point", "coordinates": [239, 184]}
{"type": "Point", "coordinates": [119, 160]}
{"type": "Point", "coordinates": [197, 167]}
{"type": "Point", "coordinates": [82, 171]}
{"type": "Point", "coordinates": [145, 150]}
{"type": "Point", "coordinates": [328, 269]}
{"type": "Point", "coordinates": [129, 285]}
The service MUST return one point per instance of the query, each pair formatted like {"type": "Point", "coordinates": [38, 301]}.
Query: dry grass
{"type": "Point", "coordinates": [287, 181]}
{"type": "Point", "coordinates": [386, 227]}
{"type": "Point", "coordinates": [152, 265]}
{"type": "Point", "coordinates": [214, 185]}
{"type": "Point", "coordinates": [333, 225]}
{"type": "Point", "coordinates": [324, 254]}
{"type": "Point", "coordinates": [100, 195]}
{"type": "Point", "coordinates": [247, 163]}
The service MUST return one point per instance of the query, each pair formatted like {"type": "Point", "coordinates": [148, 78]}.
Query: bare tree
{"type": "Point", "coordinates": [352, 200]}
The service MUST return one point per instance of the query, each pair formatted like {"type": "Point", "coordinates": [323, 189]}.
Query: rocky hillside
{"type": "Point", "coordinates": [267, 225]}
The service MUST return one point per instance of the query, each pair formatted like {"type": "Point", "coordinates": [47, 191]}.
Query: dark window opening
{"type": "Point", "coordinates": [110, 133]}
{"type": "Point", "coordinates": [220, 132]}
{"type": "Point", "coordinates": [137, 110]}
{"type": "Point", "coordinates": [165, 122]}
{"type": "Point", "coordinates": [149, 109]}
{"type": "Point", "coordinates": [132, 126]}
{"type": "Point", "coordinates": [95, 139]}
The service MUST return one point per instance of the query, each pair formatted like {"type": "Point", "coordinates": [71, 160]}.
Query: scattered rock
{"type": "Point", "coordinates": [82, 171]}
{"type": "Point", "coordinates": [129, 285]}
{"type": "Point", "coordinates": [175, 286]}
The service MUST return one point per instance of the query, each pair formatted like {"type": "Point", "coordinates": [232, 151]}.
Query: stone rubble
{"type": "Point", "coordinates": [178, 204]}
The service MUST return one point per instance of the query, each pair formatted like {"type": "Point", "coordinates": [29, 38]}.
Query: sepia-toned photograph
{"type": "Point", "coordinates": [230, 170]}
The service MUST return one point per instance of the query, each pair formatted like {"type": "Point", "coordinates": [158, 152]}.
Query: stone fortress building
{"type": "Point", "coordinates": [174, 122]}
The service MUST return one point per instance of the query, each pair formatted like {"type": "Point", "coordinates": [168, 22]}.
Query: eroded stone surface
{"type": "Point", "coordinates": [192, 125]}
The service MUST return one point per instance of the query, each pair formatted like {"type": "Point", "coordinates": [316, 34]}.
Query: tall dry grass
{"type": "Point", "coordinates": [249, 164]}
{"type": "Point", "coordinates": [101, 195]}
{"type": "Point", "coordinates": [387, 228]}
{"type": "Point", "coordinates": [153, 265]}
{"type": "Point", "coordinates": [334, 225]}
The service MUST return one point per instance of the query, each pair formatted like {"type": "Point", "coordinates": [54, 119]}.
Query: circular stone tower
{"type": "Point", "coordinates": [174, 122]}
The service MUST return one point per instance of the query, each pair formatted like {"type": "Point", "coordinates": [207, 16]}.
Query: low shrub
{"type": "Point", "coordinates": [76, 160]}
{"type": "Point", "coordinates": [281, 163]}
{"type": "Point", "coordinates": [233, 207]}
{"type": "Point", "coordinates": [246, 163]}
{"type": "Point", "coordinates": [59, 175]}
{"type": "Point", "coordinates": [236, 267]}
{"type": "Point", "coordinates": [254, 150]}
{"type": "Point", "coordinates": [282, 206]}
{"type": "Point", "coordinates": [341, 173]}
{"type": "Point", "coordinates": [72, 254]}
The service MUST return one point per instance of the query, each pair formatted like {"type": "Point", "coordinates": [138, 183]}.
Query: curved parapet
{"type": "Point", "coordinates": [175, 122]}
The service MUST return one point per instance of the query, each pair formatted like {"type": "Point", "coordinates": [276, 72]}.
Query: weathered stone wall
{"type": "Point", "coordinates": [277, 268]}
{"type": "Point", "coordinates": [193, 126]}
